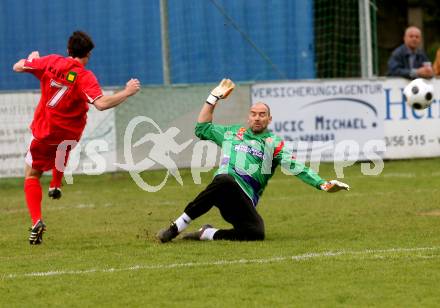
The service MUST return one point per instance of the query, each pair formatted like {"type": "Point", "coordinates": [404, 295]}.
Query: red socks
{"type": "Point", "coordinates": [32, 190]}
{"type": "Point", "coordinates": [57, 176]}
{"type": "Point", "coordinates": [34, 195]}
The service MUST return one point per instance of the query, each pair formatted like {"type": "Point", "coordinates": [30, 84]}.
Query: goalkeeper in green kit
{"type": "Point", "coordinates": [250, 157]}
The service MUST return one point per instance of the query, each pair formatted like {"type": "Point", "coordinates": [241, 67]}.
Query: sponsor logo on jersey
{"type": "Point", "coordinates": [249, 150]}
{"type": "Point", "coordinates": [71, 76]}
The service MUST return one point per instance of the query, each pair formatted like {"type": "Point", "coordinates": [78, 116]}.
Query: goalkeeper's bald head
{"type": "Point", "coordinates": [259, 117]}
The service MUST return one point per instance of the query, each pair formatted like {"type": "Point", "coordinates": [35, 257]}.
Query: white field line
{"type": "Point", "coordinates": [308, 256]}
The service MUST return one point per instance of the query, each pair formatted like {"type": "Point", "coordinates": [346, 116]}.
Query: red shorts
{"type": "Point", "coordinates": [44, 157]}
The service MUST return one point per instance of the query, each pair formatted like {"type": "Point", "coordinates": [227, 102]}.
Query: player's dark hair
{"type": "Point", "coordinates": [80, 44]}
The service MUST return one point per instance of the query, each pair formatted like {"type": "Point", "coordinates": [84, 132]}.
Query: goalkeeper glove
{"type": "Point", "coordinates": [334, 186]}
{"type": "Point", "coordinates": [222, 91]}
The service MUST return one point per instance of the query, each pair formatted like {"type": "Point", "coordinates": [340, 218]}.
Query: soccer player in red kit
{"type": "Point", "coordinates": [67, 89]}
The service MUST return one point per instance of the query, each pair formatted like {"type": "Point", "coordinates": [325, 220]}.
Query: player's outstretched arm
{"type": "Point", "coordinates": [110, 101]}
{"type": "Point", "coordinates": [19, 66]}
{"type": "Point", "coordinates": [334, 186]}
{"type": "Point", "coordinates": [222, 91]}
{"type": "Point", "coordinates": [206, 114]}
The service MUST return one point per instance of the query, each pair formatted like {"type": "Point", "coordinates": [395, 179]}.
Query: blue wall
{"type": "Point", "coordinates": [205, 45]}
{"type": "Point", "coordinates": [127, 37]}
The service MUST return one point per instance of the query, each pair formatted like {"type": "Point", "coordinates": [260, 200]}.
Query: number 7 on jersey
{"type": "Point", "coordinates": [58, 95]}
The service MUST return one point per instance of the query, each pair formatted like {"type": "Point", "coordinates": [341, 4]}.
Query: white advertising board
{"type": "Point", "coordinates": [359, 110]}
{"type": "Point", "coordinates": [410, 133]}
{"type": "Point", "coordinates": [328, 117]}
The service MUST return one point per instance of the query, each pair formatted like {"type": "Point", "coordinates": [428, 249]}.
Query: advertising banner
{"type": "Point", "coordinates": [331, 114]}
{"type": "Point", "coordinates": [16, 113]}
{"type": "Point", "coordinates": [326, 118]}
{"type": "Point", "coordinates": [410, 133]}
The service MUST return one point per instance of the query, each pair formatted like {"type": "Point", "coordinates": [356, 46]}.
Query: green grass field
{"type": "Point", "coordinates": [377, 245]}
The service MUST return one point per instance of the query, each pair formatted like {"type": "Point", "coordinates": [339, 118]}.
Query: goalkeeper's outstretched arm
{"type": "Point", "coordinates": [206, 114]}
{"type": "Point", "coordinates": [222, 91]}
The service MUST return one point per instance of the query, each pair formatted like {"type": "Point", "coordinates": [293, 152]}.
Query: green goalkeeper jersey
{"type": "Point", "coordinates": [252, 158]}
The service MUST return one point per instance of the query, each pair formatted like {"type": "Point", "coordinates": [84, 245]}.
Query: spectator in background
{"type": "Point", "coordinates": [436, 66]}
{"type": "Point", "coordinates": [409, 60]}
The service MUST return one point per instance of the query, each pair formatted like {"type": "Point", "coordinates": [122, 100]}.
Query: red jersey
{"type": "Point", "coordinates": [66, 89]}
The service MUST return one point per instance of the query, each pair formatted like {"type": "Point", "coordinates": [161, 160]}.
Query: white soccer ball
{"type": "Point", "coordinates": [419, 94]}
